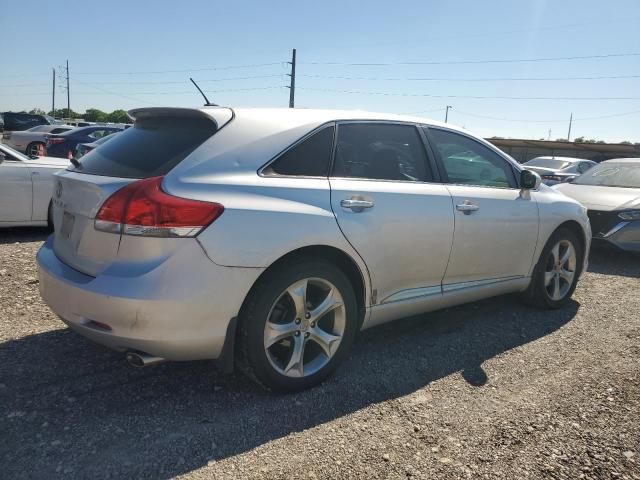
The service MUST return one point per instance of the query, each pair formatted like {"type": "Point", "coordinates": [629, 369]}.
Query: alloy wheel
{"type": "Point", "coordinates": [305, 327]}
{"type": "Point", "coordinates": [560, 270]}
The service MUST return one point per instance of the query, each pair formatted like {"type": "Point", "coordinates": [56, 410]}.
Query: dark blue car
{"type": "Point", "coordinates": [64, 144]}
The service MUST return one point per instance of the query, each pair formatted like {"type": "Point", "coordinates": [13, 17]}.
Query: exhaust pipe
{"type": "Point", "coordinates": [139, 360]}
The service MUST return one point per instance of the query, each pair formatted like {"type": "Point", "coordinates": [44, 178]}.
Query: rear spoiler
{"type": "Point", "coordinates": [219, 116]}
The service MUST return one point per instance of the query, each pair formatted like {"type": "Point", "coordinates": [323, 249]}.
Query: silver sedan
{"type": "Point", "coordinates": [273, 236]}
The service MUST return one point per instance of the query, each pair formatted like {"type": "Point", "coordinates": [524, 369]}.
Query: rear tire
{"type": "Point", "coordinates": [555, 276]}
{"type": "Point", "coordinates": [297, 325]}
{"type": "Point", "coordinates": [34, 148]}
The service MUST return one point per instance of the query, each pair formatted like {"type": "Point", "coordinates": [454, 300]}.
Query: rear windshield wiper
{"type": "Point", "coordinates": [76, 163]}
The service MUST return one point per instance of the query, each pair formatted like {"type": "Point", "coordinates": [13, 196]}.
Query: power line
{"type": "Point", "coordinates": [503, 119]}
{"type": "Point", "coordinates": [473, 62]}
{"type": "Point", "coordinates": [187, 70]}
{"type": "Point", "coordinates": [458, 79]}
{"type": "Point", "coordinates": [499, 97]}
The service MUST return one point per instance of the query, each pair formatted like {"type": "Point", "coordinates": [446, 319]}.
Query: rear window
{"type": "Point", "coordinates": [150, 148]}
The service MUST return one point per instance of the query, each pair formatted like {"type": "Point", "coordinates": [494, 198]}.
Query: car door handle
{"type": "Point", "coordinates": [35, 173]}
{"type": "Point", "coordinates": [355, 204]}
{"type": "Point", "coordinates": [467, 207]}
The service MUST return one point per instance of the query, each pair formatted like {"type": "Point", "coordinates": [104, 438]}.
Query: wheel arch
{"type": "Point", "coordinates": [577, 229]}
{"type": "Point", "coordinates": [332, 254]}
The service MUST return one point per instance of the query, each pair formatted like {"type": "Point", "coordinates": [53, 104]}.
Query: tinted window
{"type": "Point", "coordinates": [548, 163]}
{"type": "Point", "coordinates": [309, 158]}
{"type": "Point", "coordinates": [152, 147]}
{"type": "Point", "coordinates": [381, 152]}
{"type": "Point", "coordinates": [584, 166]}
{"type": "Point", "coordinates": [468, 162]}
{"type": "Point", "coordinates": [59, 130]}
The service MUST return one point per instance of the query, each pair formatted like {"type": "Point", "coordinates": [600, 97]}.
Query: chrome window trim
{"type": "Point", "coordinates": [309, 134]}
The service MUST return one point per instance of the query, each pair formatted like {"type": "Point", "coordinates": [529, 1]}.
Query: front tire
{"type": "Point", "coordinates": [298, 325]}
{"type": "Point", "coordinates": [556, 273]}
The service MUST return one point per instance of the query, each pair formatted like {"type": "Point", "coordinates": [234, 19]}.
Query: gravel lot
{"type": "Point", "coordinates": [488, 390]}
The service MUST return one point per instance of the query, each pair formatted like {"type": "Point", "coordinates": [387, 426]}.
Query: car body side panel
{"type": "Point", "coordinates": [15, 192]}
{"type": "Point", "coordinates": [246, 235]}
{"type": "Point", "coordinates": [554, 210]}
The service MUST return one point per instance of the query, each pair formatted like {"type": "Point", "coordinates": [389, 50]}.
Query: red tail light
{"type": "Point", "coordinates": [142, 208]}
{"type": "Point", "coordinates": [53, 141]}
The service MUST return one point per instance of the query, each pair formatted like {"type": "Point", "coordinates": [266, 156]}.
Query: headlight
{"type": "Point", "coordinates": [630, 215]}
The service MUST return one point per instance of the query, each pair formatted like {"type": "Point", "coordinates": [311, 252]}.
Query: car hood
{"type": "Point", "coordinates": [596, 197]}
{"type": "Point", "coordinates": [50, 162]}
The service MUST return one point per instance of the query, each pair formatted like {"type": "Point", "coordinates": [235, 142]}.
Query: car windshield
{"type": "Point", "coordinates": [608, 174]}
{"type": "Point", "coordinates": [548, 163]}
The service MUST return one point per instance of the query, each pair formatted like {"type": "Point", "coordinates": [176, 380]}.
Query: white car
{"type": "Point", "coordinates": [32, 141]}
{"type": "Point", "coordinates": [26, 185]}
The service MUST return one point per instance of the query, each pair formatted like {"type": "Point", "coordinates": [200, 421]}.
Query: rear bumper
{"type": "Point", "coordinates": [178, 310]}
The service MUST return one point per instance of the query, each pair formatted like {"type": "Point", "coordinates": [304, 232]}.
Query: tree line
{"type": "Point", "coordinates": [90, 115]}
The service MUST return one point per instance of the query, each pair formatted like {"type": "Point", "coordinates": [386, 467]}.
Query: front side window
{"type": "Point", "coordinates": [309, 158]}
{"type": "Point", "coordinates": [380, 151]}
{"type": "Point", "coordinates": [468, 162]}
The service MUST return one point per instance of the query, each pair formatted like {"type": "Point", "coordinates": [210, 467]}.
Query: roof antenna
{"type": "Point", "coordinates": [207, 102]}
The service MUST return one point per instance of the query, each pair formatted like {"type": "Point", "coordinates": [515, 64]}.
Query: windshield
{"type": "Point", "coordinates": [607, 174]}
{"type": "Point", "coordinates": [548, 163]}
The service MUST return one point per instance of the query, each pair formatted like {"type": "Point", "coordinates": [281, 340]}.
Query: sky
{"type": "Point", "coordinates": [396, 56]}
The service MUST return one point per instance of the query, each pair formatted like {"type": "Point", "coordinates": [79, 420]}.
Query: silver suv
{"type": "Point", "coordinates": [272, 236]}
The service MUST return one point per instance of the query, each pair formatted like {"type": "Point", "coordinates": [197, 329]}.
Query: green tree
{"type": "Point", "coordinates": [118, 116]}
{"type": "Point", "coordinates": [95, 115]}
{"type": "Point", "coordinates": [37, 111]}
{"type": "Point", "coordinates": [579, 140]}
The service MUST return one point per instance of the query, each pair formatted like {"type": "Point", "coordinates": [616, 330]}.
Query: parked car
{"type": "Point", "coordinates": [13, 121]}
{"type": "Point", "coordinates": [611, 193]}
{"type": "Point", "coordinates": [26, 185]}
{"type": "Point", "coordinates": [63, 144]}
{"type": "Point", "coordinates": [83, 148]}
{"type": "Point", "coordinates": [32, 141]}
{"type": "Point", "coordinates": [278, 234]}
{"type": "Point", "coordinates": [555, 170]}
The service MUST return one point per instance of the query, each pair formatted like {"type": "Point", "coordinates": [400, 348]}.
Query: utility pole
{"type": "Point", "coordinates": [549, 137]}
{"type": "Point", "coordinates": [570, 122]}
{"type": "Point", "coordinates": [68, 93]}
{"type": "Point", "coordinates": [446, 113]}
{"type": "Point", "coordinates": [53, 94]}
{"type": "Point", "coordinates": [292, 87]}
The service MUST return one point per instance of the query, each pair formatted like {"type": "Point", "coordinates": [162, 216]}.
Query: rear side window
{"type": "Point", "coordinates": [150, 148]}
{"type": "Point", "coordinates": [380, 151]}
{"type": "Point", "coordinates": [309, 158]}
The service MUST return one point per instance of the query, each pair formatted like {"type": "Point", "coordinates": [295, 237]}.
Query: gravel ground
{"type": "Point", "coordinates": [488, 390]}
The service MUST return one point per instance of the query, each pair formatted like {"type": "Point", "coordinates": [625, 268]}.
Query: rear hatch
{"type": "Point", "coordinates": [159, 140]}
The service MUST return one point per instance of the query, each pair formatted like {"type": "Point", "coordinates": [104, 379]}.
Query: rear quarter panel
{"type": "Point", "coordinates": [265, 218]}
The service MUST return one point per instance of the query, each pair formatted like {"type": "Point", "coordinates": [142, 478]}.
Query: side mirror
{"type": "Point", "coordinates": [529, 180]}
{"type": "Point", "coordinates": [3, 157]}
